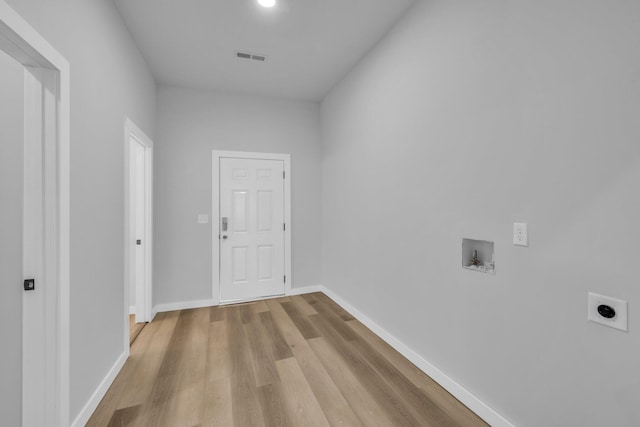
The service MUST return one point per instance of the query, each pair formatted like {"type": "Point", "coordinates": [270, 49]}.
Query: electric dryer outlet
{"type": "Point", "coordinates": [608, 311]}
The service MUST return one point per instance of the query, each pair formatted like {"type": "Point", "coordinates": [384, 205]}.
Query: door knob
{"type": "Point", "coordinates": [224, 237]}
{"type": "Point", "coordinates": [29, 284]}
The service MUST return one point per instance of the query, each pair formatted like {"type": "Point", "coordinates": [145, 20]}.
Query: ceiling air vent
{"type": "Point", "coordinates": [251, 56]}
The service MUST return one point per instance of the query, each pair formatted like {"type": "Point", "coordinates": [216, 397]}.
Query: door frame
{"type": "Point", "coordinates": [215, 213]}
{"type": "Point", "coordinates": [46, 218]}
{"type": "Point", "coordinates": [144, 291]}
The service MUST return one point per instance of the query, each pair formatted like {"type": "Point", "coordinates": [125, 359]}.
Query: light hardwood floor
{"type": "Point", "coordinates": [134, 328]}
{"type": "Point", "coordinates": [294, 361]}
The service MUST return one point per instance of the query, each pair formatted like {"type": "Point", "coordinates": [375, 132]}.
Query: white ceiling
{"type": "Point", "coordinates": [310, 44]}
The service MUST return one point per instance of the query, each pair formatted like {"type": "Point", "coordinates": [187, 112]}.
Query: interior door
{"type": "Point", "coordinates": [11, 243]}
{"type": "Point", "coordinates": [138, 203]}
{"type": "Point", "coordinates": [40, 169]}
{"type": "Point", "coordinates": [251, 229]}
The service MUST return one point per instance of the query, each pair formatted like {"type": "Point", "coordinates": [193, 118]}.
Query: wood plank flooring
{"type": "Point", "coordinates": [134, 328]}
{"type": "Point", "coordinates": [293, 361]}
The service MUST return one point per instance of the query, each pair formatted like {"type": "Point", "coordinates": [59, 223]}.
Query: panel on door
{"type": "Point", "coordinates": [251, 229]}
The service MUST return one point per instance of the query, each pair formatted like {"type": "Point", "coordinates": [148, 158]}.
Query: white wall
{"type": "Point", "coordinates": [190, 125]}
{"type": "Point", "coordinates": [109, 80]}
{"type": "Point", "coordinates": [468, 117]}
{"type": "Point", "coordinates": [11, 169]}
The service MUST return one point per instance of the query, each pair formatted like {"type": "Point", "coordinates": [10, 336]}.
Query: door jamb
{"type": "Point", "coordinates": [143, 305]}
{"type": "Point", "coordinates": [47, 107]}
{"type": "Point", "coordinates": [215, 213]}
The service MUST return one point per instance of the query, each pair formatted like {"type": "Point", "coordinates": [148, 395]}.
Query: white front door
{"type": "Point", "coordinates": [252, 251]}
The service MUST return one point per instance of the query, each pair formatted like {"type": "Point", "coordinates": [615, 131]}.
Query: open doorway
{"type": "Point", "coordinates": [138, 230]}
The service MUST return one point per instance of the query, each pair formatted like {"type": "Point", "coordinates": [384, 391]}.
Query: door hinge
{"type": "Point", "coordinates": [285, 279]}
{"type": "Point", "coordinates": [283, 176]}
{"type": "Point", "coordinates": [284, 226]}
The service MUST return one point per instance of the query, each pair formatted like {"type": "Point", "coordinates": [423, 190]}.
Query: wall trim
{"type": "Point", "coordinates": [185, 305]}
{"type": "Point", "coordinates": [96, 397]}
{"type": "Point", "coordinates": [305, 290]}
{"type": "Point", "coordinates": [154, 311]}
{"type": "Point", "coordinates": [459, 392]}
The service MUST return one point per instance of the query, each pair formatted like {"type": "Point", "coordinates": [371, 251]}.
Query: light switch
{"type": "Point", "coordinates": [203, 219]}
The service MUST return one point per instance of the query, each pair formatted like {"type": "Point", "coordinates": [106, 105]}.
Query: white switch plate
{"type": "Point", "coordinates": [619, 321]}
{"type": "Point", "coordinates": [521, 234]}
{"type": "Point", "coordinates": [203, 219]}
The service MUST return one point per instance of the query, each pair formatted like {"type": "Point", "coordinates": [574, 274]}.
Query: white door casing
{"type": "Point", "coordinates": [138, 225]}
{"type": "Point", "coordinates": [251, 257]}
{"type": "Point", "coordinates": [45, 322]}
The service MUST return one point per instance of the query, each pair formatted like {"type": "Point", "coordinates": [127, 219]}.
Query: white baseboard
{"type": "Point", "coordinates": [161, 308]}
{"type": "Point", "coordinates": [94, 401]}
{"type": "Point", "coordinates": [287, 292]}
{"type": "Point", "coordinates": [154, 311]}
{"type": "Point", "coordinates": [304, 290]}
{"type": "Point", "coordinates": [185, 305]}
{"type": "Point", "coordinates": [132, 309]}
{"type": "Point", "coordinates": [472, 402]}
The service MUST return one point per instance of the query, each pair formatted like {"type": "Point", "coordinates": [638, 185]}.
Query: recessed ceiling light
{"type": "Point", "coordinates": [267, 3]}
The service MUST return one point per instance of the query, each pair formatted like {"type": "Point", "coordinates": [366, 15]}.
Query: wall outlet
{"type": "Point", "coordinates": [203, 219]}
{"type": "Point", "coordinates": [521, 234]}
{"type": "Point", "coordinates": [608, 311]}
